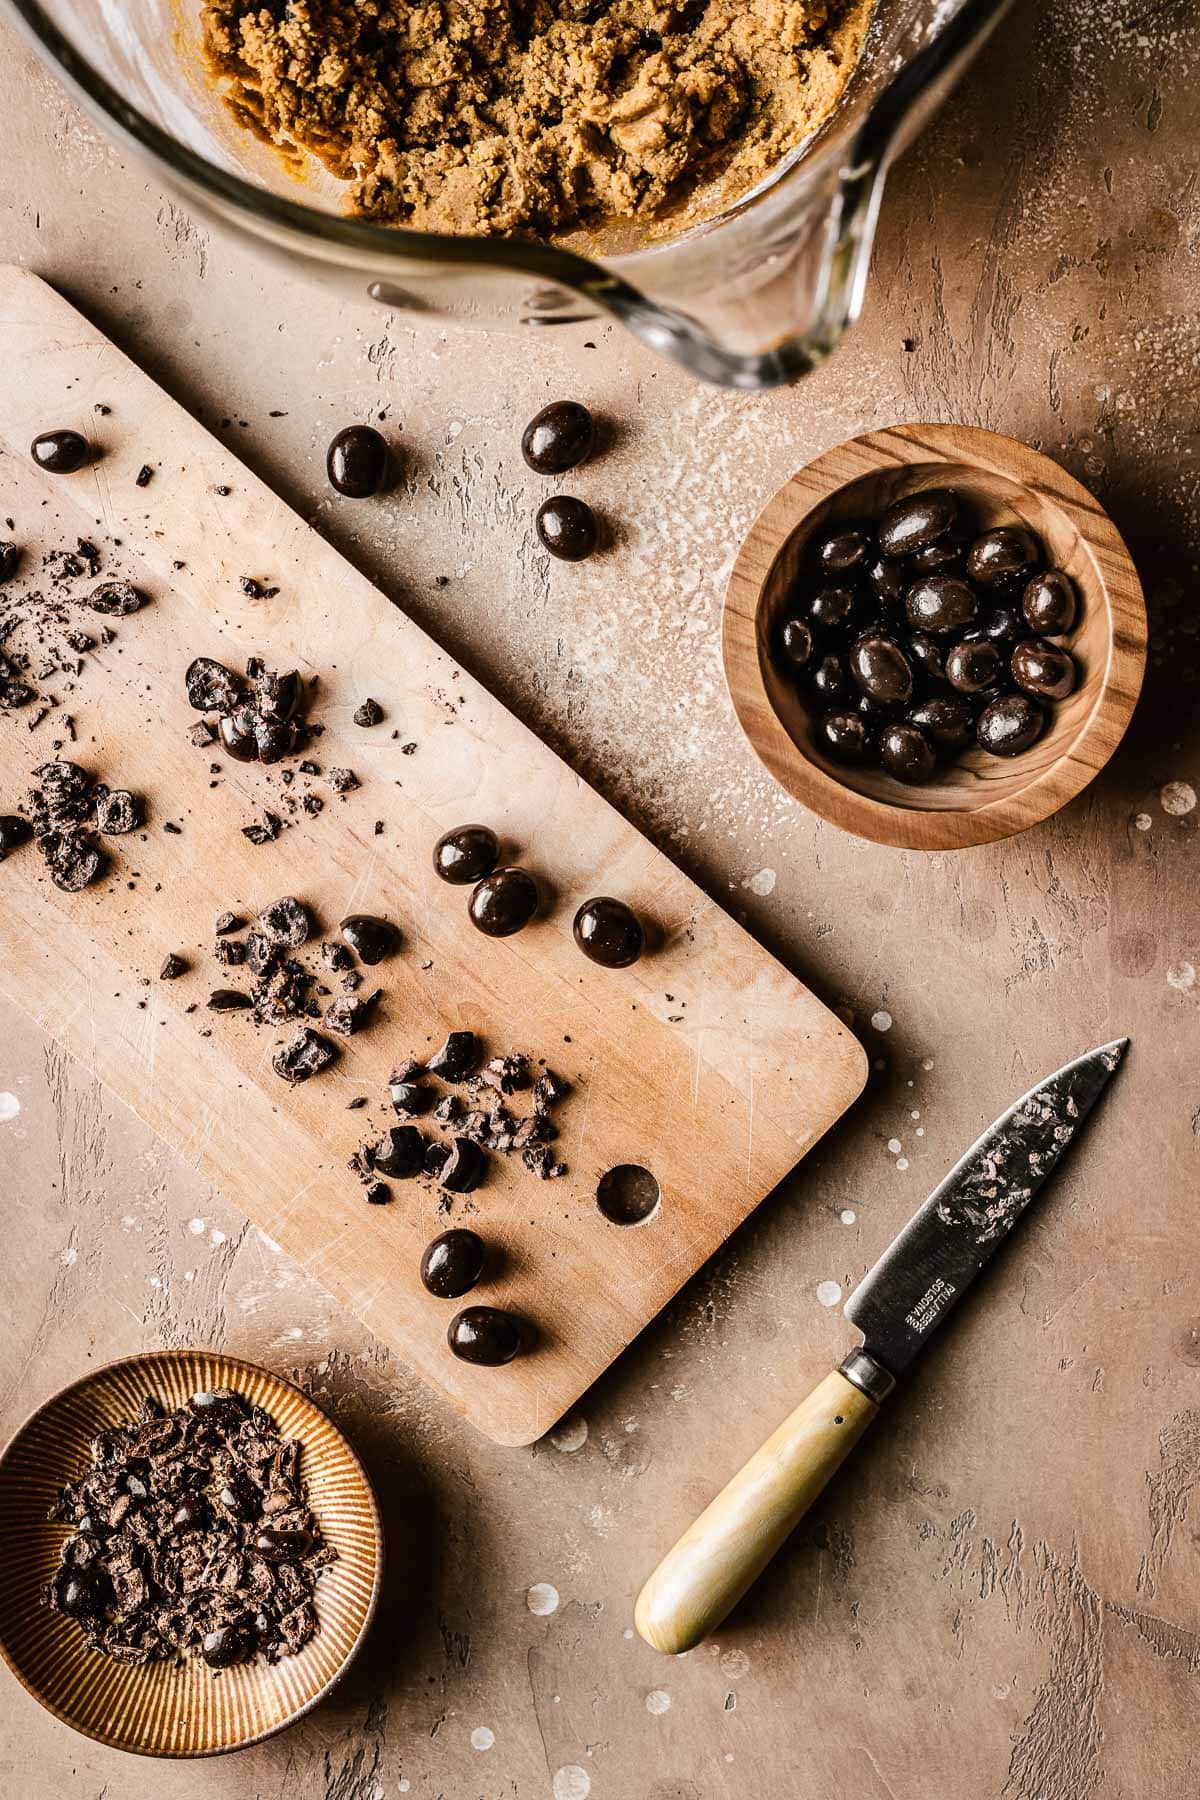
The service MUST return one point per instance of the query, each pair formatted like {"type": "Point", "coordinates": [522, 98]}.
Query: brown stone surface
{"type": "Point", "coordinates": [998, 1596]}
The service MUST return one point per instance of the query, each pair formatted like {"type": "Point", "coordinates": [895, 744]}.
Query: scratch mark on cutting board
{"type": "Point", "coordinates": [1170, 1491]}
{"type": "Point", "coordinates": [1057, 1756]}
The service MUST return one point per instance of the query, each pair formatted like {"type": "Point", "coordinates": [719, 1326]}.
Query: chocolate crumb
{"type": "Point", "coordinates": [173, 967]}
{"type": "Point", "coordinates": [144, 476]}
{"type": "Point", "coordinates": [369, 713]}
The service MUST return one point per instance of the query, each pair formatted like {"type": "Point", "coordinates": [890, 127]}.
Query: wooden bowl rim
{"type": "Point", "coordinates": [913, 827]}
{"type": "Point", "coordinates": [143, 1358]}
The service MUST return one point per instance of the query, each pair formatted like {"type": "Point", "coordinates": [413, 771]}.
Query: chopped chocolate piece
{"type": "Point", "coordinates": [144, 476]}
{"type": "Point", "coordinates": [274, 738]}
{"type": "Point", "coordinates": [191, 1533]}
{"type": "Point", "coordinates": [172, 829]}
{"type": "Point", "coordinates": [548, 1090]}
{"type": "Point", "coordinates": [369, 713]}
{"type": "Point", "coordinates": [200, 734]}
{"type": "Point", "coordinates": [211, 687]}
{"type": "Point", "coordinates": [309, 768]}
{"type": "Point", "coordinates": [351, 980]}
{"type": "Point", "coordinates": [72, 859]}
{"type": "Point", "coordinates": [116, 599]}
{"type": "Point", "coordinates": [371, 939]}
{"type": "Point", "coordinates": [408, 1070]}
{"type": "Point", "coordinates": [507, 1073]}
{"type": "Point", "coordinates": [14, 831]}
{"type": "Point", "coordinates": [282, 994]}
{"type": "Point", "coordinates": [65, 795]}
{"type": "Point", "coordinates": [533, 1130]}
{"type": "Point", "coordinates": [379, 1193]}
{"type": "Point", "coordinates": [254, 590]}
{"type": "Point", "coordinates": [312, 804]}
{"type": "Point", "coordinates": [457, 1058]}
{"type": "Point", "coordinates": [343, 781]}
{"type": "Point", "coordinates": [10, 556]}
{"type": "Point", "coordinates": [539, 1162]}
{"type": "Point", "coordinates": [408, 1098]}
{"type": "Point", "coordinates": [436, 1158]}
{"type": "Point", "coordinates": [447, 1110]}
{"type": "Point", "coordinates": [116, 811]}
{"type": "Point", "coordinates": [464, 1168]}
{"type": "Point", "coordinates": [228, 1000]}
{"type": "Point", "coordinates": [266, 831]}
{"type": "Point", "coordinates": [231, 952]}
{"type": "Point", "coordinates": [336, 956]}
{"type": "Point", "coordinates": [226, 922]}
{"type": "Point", "coordinates": [475, 1125]}
{"type": "Point", "coordinates": [358, 1101]}
{"type": "Point", "coordinates": [80, 642]}
{"type": "Point", "coordinates": [350, 1013]}
{"type": "Point", "coordinates": [14, 694]}
{"type": "Point", "coordinates": [286, 922]}
{"type": "Point", "coordinates": [400, 1152]}
{"type": "Point", "coordinates": [173, 967]}
{"type": "Point", "coordinates": [236, 732]}
{"type": "Point", "coordinates": [303, 1056]}
{"type": "Point", "coordinates": [260, 951]}
{"type": "Point", "coordinates": [362, 1162]}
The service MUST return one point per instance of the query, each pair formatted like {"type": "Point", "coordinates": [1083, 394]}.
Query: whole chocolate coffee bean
{"type": "Point", "coordinates": [116, 599]}
{"type": "Point", "coordinates": [1004, 558]}
{"type": "Point", "coordinates": [842, 548]}
{"type": "Point", "coordinates": [1049, 603]}
{"type": "Point", "coordinates": [558, 437]}
{"type": "Point", "coordinates": [466, 854]}
{"type": "Point", "coordinates": [830, 682]}
{"type": "Point", "coordinates": [886, 577]}
{"type": "Point", "coordinates": [906, 753]}
{"type": "Point", "coordinates": [916, 520]}
{"type": "Point", "coordinates": [881, 669]}
{"type": "Point", "coordinates": [1010, 725]}
{"type": "Point", "coordinates": [503, 902]}
{"type": "Point", "coordinates": [945, 556]}
{"type": "Point", "coordinates": [278, 1544]}
{"type": "Point", "coordinates": [609, 932]}
{"type": "Point", "coordinates": [79, 1595]}
{"type": "Point", "coordinates": [357, 461]}
{"type": "Point", "coordinates": [236, 732]}
{"type": "Point", "coordinates": [224, 1647]}
{"type": "Point", "coordinates": [940, 604]}
{"type": "Point", "coordinates": [371, 939]}
{"type": "Point", "coordinates": [947, 720]}
{"type": "Point", "coordinates": [59, 452]}
{"type": "Point", "coordinates": [14, 831]}
{"type": "Point", "coordinates": [1002, 625]}
{"type": "Point", "coordinates": [1040, 667]}
{"type": "Point", "coordinates": [453, 1263]}
{"type": "Point", "coordinates": [927, 657]}
{"type": "Point", "coordinates": [831, 608]}
{"type": "Point", "coordinates": [567, 527]}
{"type": "Point", "coordinates": [796, 643]}
{"type": "Point", "coordinates": [845, 736]}
{"type": "Point", "coordinates": [485, 1334]}
{"type": "Point", "coordinates": [974, 665]}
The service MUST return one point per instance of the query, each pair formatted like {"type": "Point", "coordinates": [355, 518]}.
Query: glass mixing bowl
{"type": "Point", "coordinates": [755, 297]}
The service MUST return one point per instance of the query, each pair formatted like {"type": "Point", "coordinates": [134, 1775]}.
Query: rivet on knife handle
{"type": "Point", "coordinates": [705, 1575]}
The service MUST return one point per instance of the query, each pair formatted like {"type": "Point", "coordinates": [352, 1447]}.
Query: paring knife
{"type": "Point", "coordinates": [911, 1289]}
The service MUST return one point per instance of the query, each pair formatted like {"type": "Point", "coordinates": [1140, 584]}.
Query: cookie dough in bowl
{"type": "Point", "coordinates": [536, 117]}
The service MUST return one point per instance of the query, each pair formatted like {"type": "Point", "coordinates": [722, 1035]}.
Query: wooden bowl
{"type": "Point", "coordinates": [162, 1709]}
{"type": "Point", "coordinates": [980, 798]}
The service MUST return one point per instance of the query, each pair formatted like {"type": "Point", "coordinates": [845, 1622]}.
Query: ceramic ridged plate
{"type": "Point", "coordinates": [165, 1709]}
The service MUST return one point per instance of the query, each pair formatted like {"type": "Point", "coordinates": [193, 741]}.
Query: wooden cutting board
{"type": "Point", "coordinates": [707, 1062]}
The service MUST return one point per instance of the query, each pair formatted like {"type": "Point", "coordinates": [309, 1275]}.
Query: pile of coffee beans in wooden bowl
{"type": "Point", "coordinates": [918, 635]}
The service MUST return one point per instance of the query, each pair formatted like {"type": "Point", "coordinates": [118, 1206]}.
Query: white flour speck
{"type": "Point", "coordinates": [895, 1146]}
{"type": "Point", "coordinates": [1143, 821]}
{"type": "Point", "coordinates": [902, 1162]}
{"type": "Point", "coordinates": [881, 1020]}
{"type": "Point", "coordinates": [828, 1293]}
{"type": "Point", "coordinates": [197, 1227]}
{"type": "Point", "coordinates": [189, 1274]}
{"type": "Point", "coordinates": [920, 1131]}
{"type": "Point", "coordinates": [570, 1434]}
{"type": "Point", "coordinates": [571, 1783]}
{"type": "Point", "coordinates": [627, 1634]}
{"type": "Point", "coordinates": [482, 1738]}
{"type": "Point", "coordinates": [927, 1064]}
{"type": "Point", "coordinates": [542, 1599]}
{"type": "Point", "coordinates": [915, 1114]}
{"type": "Point", "coordinates": [1177, 798]}
{"type": "Point", "coordinates": [10, 1106]}
{"type": "Point", "coordinates": [216, 1238]}
{"type": "Point", "coordinates": [763, 883]}
{"type": "Point", "coordinates": [658, 1701]}
{"type": "Point", "coordinates": [847, 1215]}
{"type": "Point", "coordinates": [1182, 977]}
{"type": "Point", "coordinates": [69, 1256]}
{"type": "Point", "coordinates": [405, 1786]}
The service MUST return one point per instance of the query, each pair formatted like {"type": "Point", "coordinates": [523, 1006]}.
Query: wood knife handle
{"type": "Point", "coordinates": [705, 1575]}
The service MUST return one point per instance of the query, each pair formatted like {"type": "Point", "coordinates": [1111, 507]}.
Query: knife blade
{"type": "Point", "coordinates": [898, 1304]}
